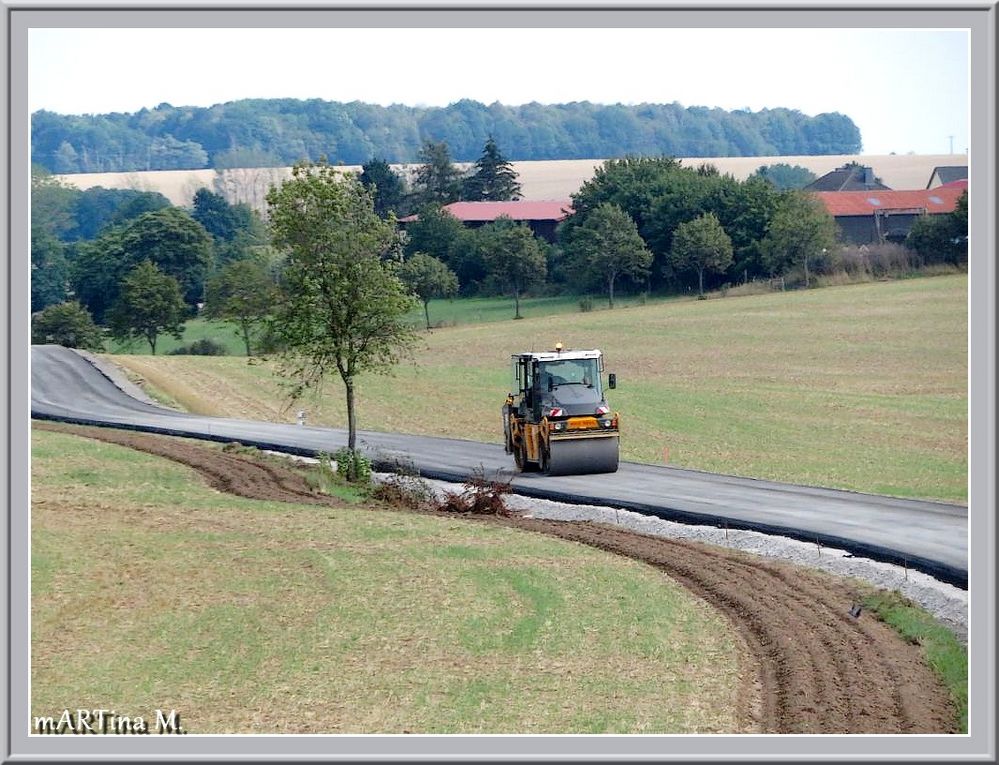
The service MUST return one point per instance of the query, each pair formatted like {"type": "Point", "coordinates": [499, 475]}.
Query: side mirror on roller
{"type": "Point", "coordinates": [612, 381]}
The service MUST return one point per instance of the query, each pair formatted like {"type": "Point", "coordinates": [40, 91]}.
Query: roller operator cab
{"type": "Point", "coordinates": [558, 421]}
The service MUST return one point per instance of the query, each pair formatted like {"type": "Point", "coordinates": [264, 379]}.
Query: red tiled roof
{"type": "Point", "coordinates": [960, 184]}
{"type": "Point", "coordinates": [942, 199]}
{"type": "Point", "coordinates": [522, 210]}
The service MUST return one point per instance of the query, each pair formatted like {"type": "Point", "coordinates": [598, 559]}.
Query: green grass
{"type": "Point", "coordinates": [222, 332]}
{"type": "Point", "coordinates": [151, 590]}
{"type": "Point", "coordinates": [462, 311]}
{"type": "Point", "coordinates": [944, 653]}
{"type": "Point", "coordinates": [860, 387]}
{"type": "Point", "coordinates": [443, 313]}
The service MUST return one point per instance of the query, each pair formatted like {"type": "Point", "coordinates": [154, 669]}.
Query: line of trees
{"type": "Point", "coordinates": [280, 132]}
{"type": "Point", "coordinates": [640, 225]}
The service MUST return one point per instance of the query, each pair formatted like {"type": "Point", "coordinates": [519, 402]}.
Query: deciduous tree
{"type": "Point", "coordinates": [49, 270]}
{"type": "Point", "coordinates": [344, 307]}
{"type": "Point", "coordinates": [242, 292]}
{"type": "Point", "coordinates": [513, 257]}
{"type": "Point", "coordinates": [607, 246]}
{"type": "Point", "coordinates": [942, 238]}
{"type": "Point", "coordinates": [801, 230]}
{"type": "Point", "coordinates": [784, 177]}
{"type": "Point", "coordinates": [428, 278]}
{"type": "Point", "coordinates": [68, 324]}
{"type": "Point", "coordinates": [388, 187]}
{"type": "Point", "coordinates": [150, 304]}
{"type": "Point", "coordinates": [701, 245]}
{"type": "Point", "coordinates": [176, 243]}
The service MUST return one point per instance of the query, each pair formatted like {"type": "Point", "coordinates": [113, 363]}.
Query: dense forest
{"type": "Point", "coordinates": [279, 132]}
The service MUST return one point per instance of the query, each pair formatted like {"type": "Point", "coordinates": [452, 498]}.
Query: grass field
{"type": "Point", "coordinates": [443, 314]}
{"type": "Point", "coordinates": [151, 590]}
{"type": "Point", "coordinates": [860, 387]}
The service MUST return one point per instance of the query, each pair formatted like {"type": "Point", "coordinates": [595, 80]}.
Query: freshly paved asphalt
{"type": "Point", "coordinates": [927, 536]}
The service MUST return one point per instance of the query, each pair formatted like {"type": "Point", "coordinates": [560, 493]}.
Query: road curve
{"type": "Point", "coordinates": [927, 536]}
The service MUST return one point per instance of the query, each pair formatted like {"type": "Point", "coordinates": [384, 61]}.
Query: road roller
{"type": "Point", "coordinates": [558, 422]}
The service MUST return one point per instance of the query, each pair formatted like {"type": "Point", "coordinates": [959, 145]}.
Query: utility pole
{"type": "Point", "coordinates": [951, 143]}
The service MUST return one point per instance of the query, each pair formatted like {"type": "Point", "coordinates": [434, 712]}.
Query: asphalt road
{"type": "Point", "coordinates": [927, 536]}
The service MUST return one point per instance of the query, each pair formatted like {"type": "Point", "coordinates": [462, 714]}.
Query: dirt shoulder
{"type": "Point", "coordinates": [819, 669]}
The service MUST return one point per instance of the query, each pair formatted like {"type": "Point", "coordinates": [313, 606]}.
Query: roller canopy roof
{"type": "Point", "coordinates": [556, 355]}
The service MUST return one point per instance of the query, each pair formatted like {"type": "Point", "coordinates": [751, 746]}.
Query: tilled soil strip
{"type": "Point", "coordinates": [820, 670]}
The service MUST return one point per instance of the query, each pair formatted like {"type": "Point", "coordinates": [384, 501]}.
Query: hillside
{"type": "Point", "coordinates": [861, 387]}
{"type": "Point", "coordinates": [552, 179]}
{"type": "Point", "coordinates": [270, 132]}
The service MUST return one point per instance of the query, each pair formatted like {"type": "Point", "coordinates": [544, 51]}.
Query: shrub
{"type": "Point", "coordinates": [404, 490]}
{"type": "Point", "coordinates": [481, 496]}
{"type": "Point", "coordinates": [204, 347]}
{"type": "Point", "coordinates": [345, 457]}
{"type": "Point", "coordinates": [324, 477]}
{"type": "Point", "coordinates": [889, 260]}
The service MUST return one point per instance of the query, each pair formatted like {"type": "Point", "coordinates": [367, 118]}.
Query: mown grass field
{"type": "Point", "coordinates": [443, 314]}
{"type": "Point", "coordinates": [861, 387]}
{"type": "Point", "coordinates": [151, 590]}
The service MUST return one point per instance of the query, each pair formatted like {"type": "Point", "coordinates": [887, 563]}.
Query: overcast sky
{"type": "Point", "coordinates": [907, 90]}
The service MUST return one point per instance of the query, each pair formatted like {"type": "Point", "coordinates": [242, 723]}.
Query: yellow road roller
{"type": "Point", "coordinates": [558, 421]}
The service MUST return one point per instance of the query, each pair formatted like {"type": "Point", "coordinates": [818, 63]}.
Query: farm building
{"type": "Point", "coordinates": [542, 217]}
{"type": "Point", "coordinates": [875, 217]}
{"type": "Point", "coordinates": [944, 176]}
{"type": "Point", "coordinates": [849, 177]}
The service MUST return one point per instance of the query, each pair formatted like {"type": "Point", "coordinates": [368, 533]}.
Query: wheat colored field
{"type": "Point", "coordinates": [859, 387]}
{"type": "Point", "coordinates": [554, 179]}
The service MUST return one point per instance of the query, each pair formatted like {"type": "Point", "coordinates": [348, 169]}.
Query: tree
{"type": "Point", "coordinates": [606, 246]}
{"type": "Point", "coordinates": [214, 214]}
{"type": "Point", "coordinates": [176, 243]}
{"type": "Point", "coordinates": [799, 231]}
{"type": "Point", "coordinates": [96, 271]}
{"type": "Point", "coordinates": [437, 182]}
{"type": "Point", "coordinates": [513, 257]}
{"type": "Point", "coordinates": [52, 204]}
{"type": "Point", "coordinates": [68, 324]}
{"type": "Point", "coordinates": [242, 292]}
{"type": "Point", "coordinates": [49, 270]}
{"type": "Point", "coordinates": [344, 309]}
{"type": "Point", "coordinates": [783, 176]}
{"type": "Point", "coordinates": [150, 304]}
{"type": "Point", "coordinates": [700, 245]}
{"type": "Point", "coordinates": [942, 238]}
{"type": "Point", "coordinates": [494, 179]}
{"type": "Point", "coordinates": [388, 187]}
{"type": "Point", "coordinates": [98, 207]}
{"type": "Point", "coordinates": [428, 277]}
{"type": "Point", "coordinates": [438, 233]}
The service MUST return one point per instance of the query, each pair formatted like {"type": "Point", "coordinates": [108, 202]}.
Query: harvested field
{"type": "Point", "coordinates": [819, 670]}
{"type": "Point", "coordinates": [545, 179]}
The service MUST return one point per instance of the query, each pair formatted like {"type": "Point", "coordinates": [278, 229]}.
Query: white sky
{"type": "Point", "coordinates": [907, 90]}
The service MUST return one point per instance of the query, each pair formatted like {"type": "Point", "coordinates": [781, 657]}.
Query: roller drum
{"type": "Point", "coordinates": [582, 456]}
